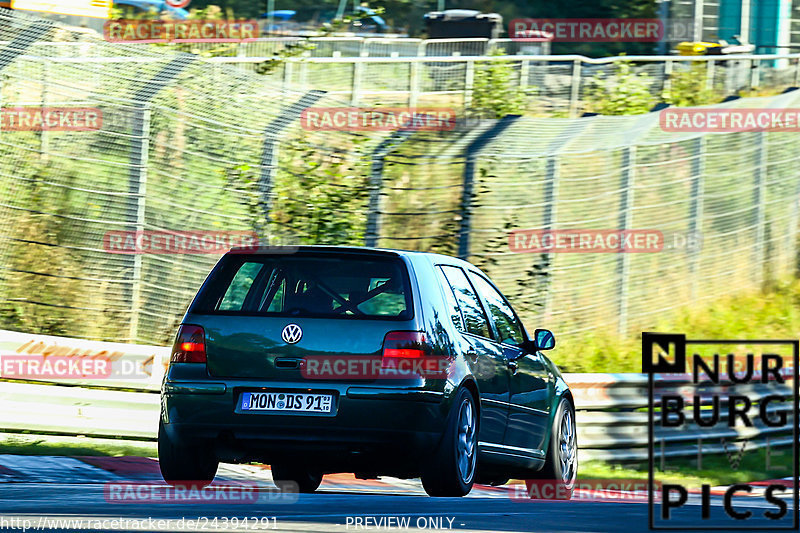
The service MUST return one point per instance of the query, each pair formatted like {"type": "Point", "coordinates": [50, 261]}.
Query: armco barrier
{"type": "Point", "coordinates": [611, 409]}
{"type": "Point", "coordinates": [612, 417]}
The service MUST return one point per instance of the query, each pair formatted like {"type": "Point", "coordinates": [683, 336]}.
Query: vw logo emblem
{"type": "Point", "coordinates": [292, 334]}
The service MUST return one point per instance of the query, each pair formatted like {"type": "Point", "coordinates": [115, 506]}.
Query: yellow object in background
{"type": "Point", "coordinates": [698, 48]}
{"type": "Point", "coordinates": [100, 9]}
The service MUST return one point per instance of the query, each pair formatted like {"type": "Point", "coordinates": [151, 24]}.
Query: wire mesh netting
{"type": "Point", "coordinates": [184, 146]}
{"type": "Point", "coordinates": [192, 144]}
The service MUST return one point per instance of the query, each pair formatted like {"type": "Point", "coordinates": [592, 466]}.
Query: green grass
{"type": "Point", "coordinates": [772, 313]}
{"type": "Point", "coordinates": [52, 445]}
{"type": "Point", "coordinates": [716, 470]}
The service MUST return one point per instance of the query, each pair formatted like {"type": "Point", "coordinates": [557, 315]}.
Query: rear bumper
{"type": "Point", "coordinates": [380, 428]}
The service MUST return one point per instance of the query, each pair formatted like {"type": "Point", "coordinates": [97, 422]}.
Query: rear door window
{"type": "Point", "coordinates": [307, 287]}
{"type": "Point", "coordinates": [450, 301]}
{"type": "Point", "coordinates": [505, 321]}
{"type": "Point", "coordinates": [474, 318]}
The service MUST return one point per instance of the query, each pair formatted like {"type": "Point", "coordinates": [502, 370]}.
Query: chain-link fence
{"type": "Point", "coordinates": [193, 144]}
{"type": "Point", "coordinates": [563, 86]}
{"type": "Point", "coordinates": [403, 71]}
{"type": "Point", "coordinates": [184, 145]}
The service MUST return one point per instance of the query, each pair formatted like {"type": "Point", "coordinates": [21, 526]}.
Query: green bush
{"type": "Point", "coordinates": [625, 92]}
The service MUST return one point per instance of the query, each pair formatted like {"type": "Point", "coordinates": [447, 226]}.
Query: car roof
{"type": "Point", "coordinates": [349, 250]}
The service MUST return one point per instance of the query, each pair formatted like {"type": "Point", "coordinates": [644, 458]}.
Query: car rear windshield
{"type": "Point", "coordinates": [296, 286]}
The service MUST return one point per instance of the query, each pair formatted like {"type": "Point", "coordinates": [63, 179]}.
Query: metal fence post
{"type": "Point", "coordinates": [413, 84]}
{"type": "Point", "coordinates": [470, 157]}
{"type": "Point", "coordinates": [667, 83]}
{"type": "Point", "coordinates": [797, 72]}
{"type": "Point", "coordinates": [760, 200]}
{"type": "Point", "coordinates": [552, 174]}
{"type": "Point", "coordinates": [269, 153]}
{"type": "Point", "coordinates": [358, 67]}
{"type": "Point", "coordinates": [139, 152]}
{"type": "Point", "coordinates": [755, 74]}
{"type": "Point", "coordinates": [303, 75]}
{"type": "Point", "coordinates": [791, 235]}
{"type": "Point", "coordinates": [710, 74]}
{"type": "Point", "coordinates": [469, 84]}
{"type": "Point", "coordinates": [44, 137]}
{"type": "Point", "coordinates": [288, 69]}
{"type": "Point", "coordinates": [140, 146]}
{"type": "Point", "coordinates": [378, 157]}
{"type": "Point", "coordinates": [23, 40]}
{"type": "Point", "coordinates": [696, 214]}
{"type": "Point", "coordinates": [625, 220]}
{"type": "Point", "coordinates": [524, 73]}
{"type": "Point", "coordinates": [575, 91]}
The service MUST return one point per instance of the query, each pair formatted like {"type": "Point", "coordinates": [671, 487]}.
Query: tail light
{"type": "Point", "coordinates": [405, 345]}
{"type": "Point", "coordinates": [190, 345]}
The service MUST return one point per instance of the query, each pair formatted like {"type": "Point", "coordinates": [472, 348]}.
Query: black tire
{"type": "Point", "coordinates": [293, 479]}
{"type": "Point", "coordinates": [451, 469]}
{"type": "Point", "coordinates": [561, 463]}
{"type": "Point", "coordinates": [185, 465]}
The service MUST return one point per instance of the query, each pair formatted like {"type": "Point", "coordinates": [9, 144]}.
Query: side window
{"type": "Point", "coordinates": [450, 301]}
{"type": "Point", "coordinates": [239, 287]}
{"type": "Point", "coordinates": [468, 302]}
{"type": "Point", "coordinates": [508, 327]}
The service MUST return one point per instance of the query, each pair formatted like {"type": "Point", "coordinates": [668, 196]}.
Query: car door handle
{"type": "Point", "coordinates": [513, 366]}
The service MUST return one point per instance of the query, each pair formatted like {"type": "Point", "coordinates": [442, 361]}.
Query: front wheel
{"type": "Point", "coordinates": [451, 470]}
{"type": "Point", "coordinates": [561, 463]}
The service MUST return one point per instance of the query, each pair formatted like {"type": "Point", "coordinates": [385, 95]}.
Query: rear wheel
{"type": "Point", "coordinates": [561, 464]}
{"type": "Point", "coordinates": [184, 465]}
{"type": "Point", "coordinates": [294, 479]}
{"type": "Point", "coordinates": [451, 470]}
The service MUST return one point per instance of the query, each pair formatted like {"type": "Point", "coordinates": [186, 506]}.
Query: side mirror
{"type": "Point", "coordinates": [544, 339]}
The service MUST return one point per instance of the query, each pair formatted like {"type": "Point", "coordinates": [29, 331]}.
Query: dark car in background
{"type": "Point", "coordinates": [240, 385]}
{"type": "Point", "coordinates": [307, 21]}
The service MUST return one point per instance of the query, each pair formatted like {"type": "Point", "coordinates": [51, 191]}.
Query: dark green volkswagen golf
{"type": "Point", "coordinates": [318, 359]}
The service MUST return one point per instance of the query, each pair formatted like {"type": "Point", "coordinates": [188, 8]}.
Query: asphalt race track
{"type": "Point", "coordinates": [330, 510]}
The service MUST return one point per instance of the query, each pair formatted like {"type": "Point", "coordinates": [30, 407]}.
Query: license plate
{"type": "Point", "coordinates": [287, 402]}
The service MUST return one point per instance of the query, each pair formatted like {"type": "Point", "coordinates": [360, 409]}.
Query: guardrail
{"type": "Point", "coordinates": [612, 417]}
{"type": "Point", "coordinates": [611, 408]}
